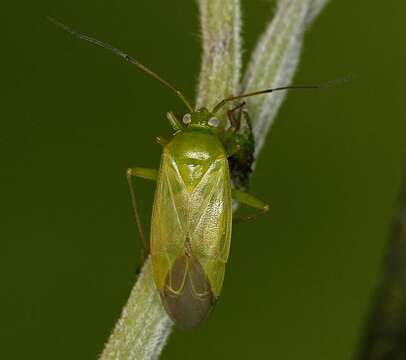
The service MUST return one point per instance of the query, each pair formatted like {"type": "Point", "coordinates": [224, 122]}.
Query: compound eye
{"type": "Point", "coordinates": [187, 119]}
{"type": "Point", "coordinates": [214, 122]}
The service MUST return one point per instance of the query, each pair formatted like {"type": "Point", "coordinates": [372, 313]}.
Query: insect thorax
{"type": "Point", "coordinates": [194, 150]}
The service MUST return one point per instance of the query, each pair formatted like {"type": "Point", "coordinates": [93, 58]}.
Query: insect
{"type": "Point", "coordinates": [192, 216]}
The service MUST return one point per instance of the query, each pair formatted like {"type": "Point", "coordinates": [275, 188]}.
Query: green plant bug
{"type": "Point", "coordinates": [203, 166]}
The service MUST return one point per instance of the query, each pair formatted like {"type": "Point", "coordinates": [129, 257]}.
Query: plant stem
{"type": "Point", "coordinates": [275, 60]}
{"type": "Point", "coordinates": [386, 328]}
{"type": "Point", "coordinates": [221, 57]}
{"type": "Point", "coordinates": [143, 327]}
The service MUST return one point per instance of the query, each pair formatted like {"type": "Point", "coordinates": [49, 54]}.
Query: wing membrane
{"type": "Point", "coordinates": [201, 217]}
{"type": "Point", "coordinates": [169, 219]}
{"type": "Point", "coordinates": [211, 220]}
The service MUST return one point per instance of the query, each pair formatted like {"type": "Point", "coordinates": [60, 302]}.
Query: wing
{"type": "Point", "coordinates": [210, 222]}
{"type": "Point", "coordinates": [190, 240]}
{"type": "Point", "coordinates": [202, 217]}
{"type": "Point", "coordinates": [169, 219]}
{"type": "Point", "coordinates": [183, 286]}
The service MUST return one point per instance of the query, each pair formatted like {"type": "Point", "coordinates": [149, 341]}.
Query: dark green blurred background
{"type": "Point", "coordinates": [74, 117]}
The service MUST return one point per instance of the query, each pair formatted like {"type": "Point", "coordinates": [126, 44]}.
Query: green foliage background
{"type": "Point", "coordinates": [74, 117]}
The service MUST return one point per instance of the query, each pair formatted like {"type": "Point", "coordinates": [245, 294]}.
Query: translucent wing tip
{"type": "Point", "coordinates": [187, 296]}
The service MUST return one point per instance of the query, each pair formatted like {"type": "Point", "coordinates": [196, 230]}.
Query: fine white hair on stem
{"type": "Point", "coordinates": [314, 9]}
{"type": "Point", "coordinates": [274, 61]}
{"type": "Point", "coordinates": [221, 58]}
{"type": "Point", "coordinates": [143, 328]}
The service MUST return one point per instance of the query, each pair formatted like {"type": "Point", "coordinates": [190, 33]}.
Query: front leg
{"type": "Point", "coordinates": [235, 122]}
{"type": "Point", "coordinates": [239, 143]}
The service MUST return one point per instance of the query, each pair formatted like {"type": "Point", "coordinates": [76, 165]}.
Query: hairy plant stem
{"type": "Point", "coordinates": [221, 56]}
{"type": "Point", "coordinates": [275, 60]}
{"type": "Point", "coordinates": [143, 327]}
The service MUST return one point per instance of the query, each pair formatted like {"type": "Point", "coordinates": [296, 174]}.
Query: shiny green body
{"type": "Point", "coordinates": [191, 224]}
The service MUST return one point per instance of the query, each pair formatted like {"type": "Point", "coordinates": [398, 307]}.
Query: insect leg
{"type": "Point", "coordinates": [235, 121]}
{"type": "Point", "coordinates": [161, 140]}
{"type": "Point", "coordinates": [249, 200]}
{"type": "Point", "coordinates": [233, 147]}
{"type": "Point", "coordinates": [144, 173]}
{"type": "Point", "coordinates": [174, 121]}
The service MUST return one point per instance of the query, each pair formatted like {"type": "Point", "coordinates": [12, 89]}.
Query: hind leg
{"type": "Point", "coordinates": [144, 173]}
{"type": "Point", "coordinates": [249, 200]}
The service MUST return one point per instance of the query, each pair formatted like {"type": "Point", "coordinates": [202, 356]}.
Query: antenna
{"type": "Point", "coordinates": [124, 56]}
{"type": "Point", "coordinates": [260, 92]}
